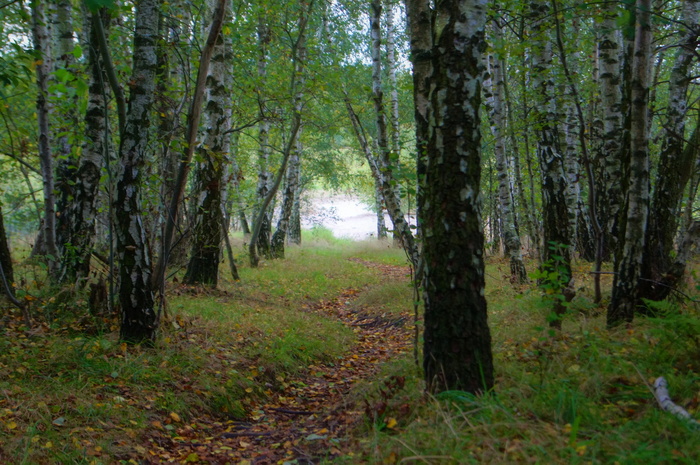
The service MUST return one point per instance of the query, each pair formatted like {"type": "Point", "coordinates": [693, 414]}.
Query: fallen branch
{"type": "Point", "coordinates": [665, 402]}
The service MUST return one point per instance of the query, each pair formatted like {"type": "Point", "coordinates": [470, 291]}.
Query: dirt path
{"type": "Point", "coordinates": [308, 419]}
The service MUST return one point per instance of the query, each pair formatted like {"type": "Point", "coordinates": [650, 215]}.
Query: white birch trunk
{"type": "Point", "coordinates": [625, 286]}
{"type": "Point", "coordinates": [42, 47]}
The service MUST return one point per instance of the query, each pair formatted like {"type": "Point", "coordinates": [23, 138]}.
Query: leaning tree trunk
{"type": "Point", "coordinates": [557, 238]}
{"type": "Point", "coordinates": [171, 83]}
{"type": "Point", "coordinates": [675, 168]}
{"type": "Point", "coordinates": [384, 169]}
{"type": "Point", "coordinates": [203, 265]}
{"type": "Point", "coordinates": [139, 319]}
{"type": "Point", "coordinates": [625, 286]}
{"type": "Point", "coordinates": [457, 348]}
{"type": "Point", "coordinates": [498, 123]}
{"type": "Point", "coordinates": [193, 117]}
{"type": "Point", "coordinates": [81, 212]}
{"type": "Point", "coordinates": [41, 39]}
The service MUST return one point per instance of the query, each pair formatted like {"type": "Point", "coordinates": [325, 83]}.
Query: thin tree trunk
{"type": "Point", "coordinates": [498, 122]}
{"type": "Point", "coordinates": [579, 120]}
{"type": "Point", "coordinates": [67, 123]}
{"type": "Point", "coordinates": [81, 212]}
{"type": "Point", "coordinates": [384, 165]}
{"type": "Point", "coordinates": [557, 237]}
{"type": "Point", "coordinates": [625, 286]}
{"type": "Point", "coordinates": [264, 229]}
{"type": "Point", "coordinates": [297, 91]}
{"type": "Point", "coordinates": [41, 39]}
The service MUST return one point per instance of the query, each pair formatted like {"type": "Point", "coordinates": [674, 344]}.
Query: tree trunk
{"type": "Point", "coordinates": [675, 168]}
{"type": "Point", "coordinates": [193, 117]}
{"type": "Point", "coordinates": [384, 165]}
{"type": "Point", "coordinates": [203, 266]}
{"type": "Point", "coordinates": [379, 209]}
{"type": "Point", "coordinates": [498, 123]}
{"type": "Point", "coordinates": [609, 156]}
{"type": "Point", "coordinates": [625, 286]}
{"type": "Point", "coordinates": [67, 123]}
{"type": "Point", "coordinates": [5, 256]}
{"type": "Point", "coordinates": [557, 237]}
{"type": "Point", "coordinates": [80, 213]}
{"type": "Point", "coordinates": [42, 42]}
{"type": "Point", "coordinates": [292, 179]}
{"type": "Point", "coordinates": [139, 319]}
{"type": "Point", "coordinates": [291, 185]}
{"type": "Point", "coordinates": [457, 350]}
{"type": "Point", "coordinates": [170, 100]}
{"type": "Point", "coordinates": [262, 239]}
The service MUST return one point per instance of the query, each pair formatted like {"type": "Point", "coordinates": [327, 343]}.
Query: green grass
{"type": "Point", "coordinates": [70, 392]}
{"type": "Point", "coordinates": [581, 396]}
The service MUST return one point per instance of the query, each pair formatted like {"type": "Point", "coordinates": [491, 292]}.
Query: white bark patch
{"type": "Point", "coordinates": [463, 165]}
{"type": "Point", "coordinates": [466, 194]}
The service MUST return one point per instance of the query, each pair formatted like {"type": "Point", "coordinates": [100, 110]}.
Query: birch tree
{"type": "Point", "coordinates": [203, 265]}
{"type": "Point", "coordinates": [139, 319]}
{"type": "Point", "coordinates": [628, 268]}
{"type": "Point", "coordinates": [457, 349]}
{"type": "Point", "coordinates": [42, 48]}
{"type": "Point", "coordinates": [557, 237]}
{"type": "Point", "coordinates": [384, 169]}
{"type": "Point", "coordinates": [497, 119]}
{"type": "Point", "coordinates": [80, 213]}
{"type": "Point", "coordinates": [660, 271]}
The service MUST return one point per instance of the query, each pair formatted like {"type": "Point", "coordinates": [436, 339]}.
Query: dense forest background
{"type": "Point", "coordinates": [136, 137]}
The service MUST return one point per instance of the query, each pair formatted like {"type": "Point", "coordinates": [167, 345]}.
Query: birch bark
{"type": "Point", "coordinates": [139, 319]}
{"type": "Point", "coordinates": [457, 349]}
{"type": "Point", "coordinates": [625, 286]}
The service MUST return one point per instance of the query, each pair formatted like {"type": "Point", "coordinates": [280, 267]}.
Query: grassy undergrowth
{"type": "Point", "coordinates": [71, 393]}
{"type": "Point", "coordinates": [579, 396]}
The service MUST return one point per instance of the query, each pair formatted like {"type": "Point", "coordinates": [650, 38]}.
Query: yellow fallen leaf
{"type": "Point", "coordinates": [391, 423]}
{"type": "Point", "coordinates": [175, 417]}
{"type": "Point", "coordinates": [48, 445]}
{"type": "Point", "coordinates": [11, 425]}
{"type": "Point", "coordinates": [244, 444]}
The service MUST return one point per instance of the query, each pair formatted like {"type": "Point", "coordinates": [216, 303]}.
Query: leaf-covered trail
{"type": "Point", "coordinates": [305, 418]}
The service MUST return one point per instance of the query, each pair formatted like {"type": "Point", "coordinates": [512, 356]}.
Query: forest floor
{"type": "Point", "coordinates": [310, 360]}
{"type": "Point", "coordinates": [305, 418]}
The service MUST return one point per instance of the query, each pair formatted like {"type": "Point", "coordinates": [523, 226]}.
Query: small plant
{"type": "Point", "coordinates": [554, 278]}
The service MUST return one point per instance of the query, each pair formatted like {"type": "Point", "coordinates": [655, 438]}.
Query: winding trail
{"type": "Point", "coordinates": [308, 419]}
